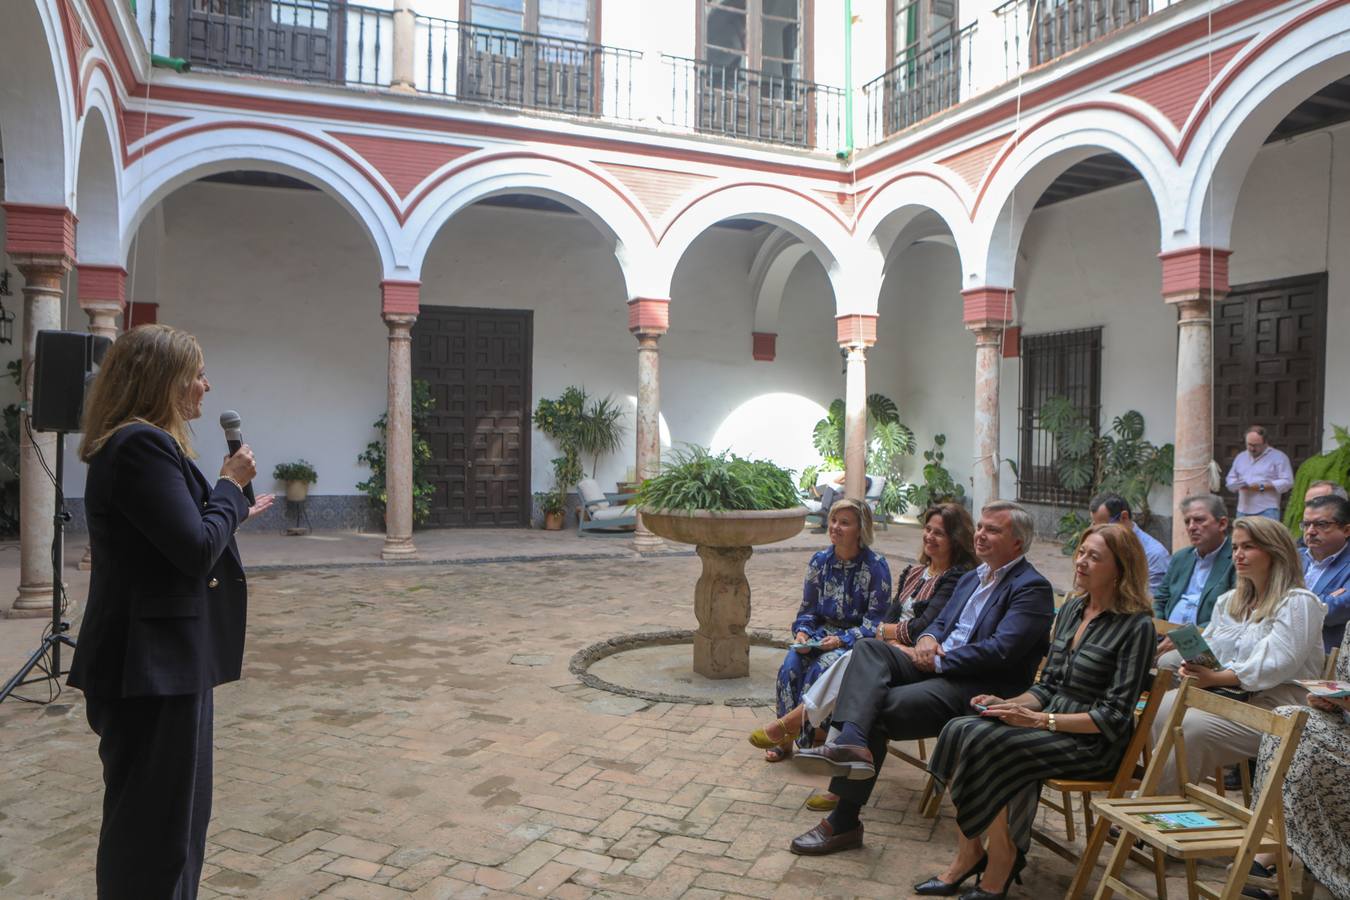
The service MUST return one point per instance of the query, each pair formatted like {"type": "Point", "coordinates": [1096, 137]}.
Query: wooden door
{"type": "Point", "coordinates": [477, 362]}
{"type": "Point", "coordinates": [1269, 364]}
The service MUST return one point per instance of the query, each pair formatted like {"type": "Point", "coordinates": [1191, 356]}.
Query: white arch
{"type": "Point", "coordinates": [905, 197]}
{"type": "Point", "coordinates": [1042, 156]}
{"type": "Point", "coordinates": [151, 178]}
{"type": "Point", "coordinates": [607, 206]}
{"type": "Point", "coordinates": [1289, 71]}
{"type": "Point", "coordinates": [774, 263]}
{"type": "Point", "coordinates": [37, 105]}
{"type": "Point", "coordinates": [98, 184]}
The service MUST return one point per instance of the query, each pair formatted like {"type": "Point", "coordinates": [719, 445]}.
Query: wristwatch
{"type": "Point", "coordinates": [1050, 723]}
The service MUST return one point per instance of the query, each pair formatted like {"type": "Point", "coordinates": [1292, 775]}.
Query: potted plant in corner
{"type": "Point", "coordinates": [298, 476]}
{"type": "Point", "coordinates": [553, 505]}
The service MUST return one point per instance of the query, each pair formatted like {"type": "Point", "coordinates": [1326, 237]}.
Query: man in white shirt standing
{"type": "Point", "coordinates": [1260, 476]}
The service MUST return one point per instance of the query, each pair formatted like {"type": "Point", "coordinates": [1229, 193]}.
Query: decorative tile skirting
{"type": "Point", "coordinates": [327, 512]}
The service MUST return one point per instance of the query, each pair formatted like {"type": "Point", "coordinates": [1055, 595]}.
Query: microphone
{"type": "Point", "coordinates": [234, 439]}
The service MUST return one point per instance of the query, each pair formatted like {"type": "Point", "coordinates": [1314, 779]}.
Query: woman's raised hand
{"type": "Point", "coordinates": [240, 465]}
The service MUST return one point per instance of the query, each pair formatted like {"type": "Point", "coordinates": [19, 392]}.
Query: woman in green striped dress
{"type": "Point", "coordinates": [1073, 723]}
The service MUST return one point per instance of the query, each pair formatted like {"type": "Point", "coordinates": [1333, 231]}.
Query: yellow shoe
{"type": "Point", "coordinates": [822, 802]}
{"type": "Point", "coordinates": [760, 736]}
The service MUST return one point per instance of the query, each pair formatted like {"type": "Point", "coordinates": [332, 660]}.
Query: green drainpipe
{"type": "Point", "coordinates": [177, 63]}
{"type": "Point", "coordinates": [847, 152]}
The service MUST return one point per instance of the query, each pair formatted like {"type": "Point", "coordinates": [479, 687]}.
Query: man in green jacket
{"type": "Point", "coordinates": [1200, 573]}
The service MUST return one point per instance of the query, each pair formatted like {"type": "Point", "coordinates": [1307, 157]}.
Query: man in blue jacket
{"type": "Point", "coordinates": [990, 638]}
{"type": "Point", "coordinates": [1200, 573]}
{"type": "Point", "coordinates": [1326, 562]}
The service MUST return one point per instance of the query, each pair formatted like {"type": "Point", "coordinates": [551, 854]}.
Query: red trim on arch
{"type": "Point", "coordinates": [742, 184]}
{"type": "Point", "coordinates": [901, 177]}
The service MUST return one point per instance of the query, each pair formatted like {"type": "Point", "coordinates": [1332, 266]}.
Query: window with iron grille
{"type": "Point", "coordinates": [1060, 364]}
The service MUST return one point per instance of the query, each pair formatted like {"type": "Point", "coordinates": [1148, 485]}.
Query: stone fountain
{"type": "Point", "coordinates": [724, 541]}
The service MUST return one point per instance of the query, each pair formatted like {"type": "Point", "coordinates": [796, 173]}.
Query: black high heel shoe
{"type": "Point", "coordinates": [979, 893]}
{"type": "Point", "coordinates": [936, 887]}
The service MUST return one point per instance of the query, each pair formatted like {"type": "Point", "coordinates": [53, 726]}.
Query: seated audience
{"type": "Point", "coordinates": [947, 552]}
{"type": "Point", "coordinates": [991, 636]}
{"type": "Point", "coordinates": [1317, 789]}
{"type": "Point", "coordinates": [846, 593]}
{"type": "Point", "coordinates": [1326, 562]}
{"type": "Point", "coordinates": [1075, 722]}
{"type": "Point", "coordinates": [1265, 633]}
{"type": "Point", "coordinates": [1107, 508]}
{"type": "Point", "coordinates": [1198, 574]}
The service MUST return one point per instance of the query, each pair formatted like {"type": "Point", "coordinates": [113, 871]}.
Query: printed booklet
{"type": "Point", "coordinates": [1181, 821]}
{"type": "Point", "coordinates": [1191, 644]}
{"type": "Point", "coordinates": [1335, 690]}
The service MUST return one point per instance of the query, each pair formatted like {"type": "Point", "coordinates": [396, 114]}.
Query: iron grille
{"type": "Point", "coordinates": [1060, 364]}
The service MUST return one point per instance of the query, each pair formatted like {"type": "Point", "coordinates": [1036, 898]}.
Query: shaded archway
{"type": "Point", "coordinates": [37, 106]}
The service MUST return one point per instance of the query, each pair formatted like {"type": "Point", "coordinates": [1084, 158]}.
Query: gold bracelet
{"type": "Point", "coordinates": [1051, 723]}
{"type": "Point", "coordinates": [233, 482]}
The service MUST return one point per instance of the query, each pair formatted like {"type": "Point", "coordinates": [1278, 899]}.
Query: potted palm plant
{"type": "Point", "coordinates": [297, 476]}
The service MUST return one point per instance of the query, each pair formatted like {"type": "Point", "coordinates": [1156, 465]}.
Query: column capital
{"type": "Point", "coordinates": [37, 235]}
{"type": "Point", "coordinates": [399, 322]}
{"type": "Point", "coordinates": [856, 330]}
{"type": "Point", "coordinates": [1195, 274]}
{"type": "Point", "coordinates": [649, 315]}
{"type": "Point", "coordinates": [763, 345]}
{"type": "Point", "coordinates": [987, 308]}
{"type": "Point", "coordinates": [400, 298]}
{"type": "Point", "coordinates": [102, 287]}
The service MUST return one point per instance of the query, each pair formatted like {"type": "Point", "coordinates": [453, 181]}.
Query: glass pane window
{"type": "Point", "coordinates": [301, 13]}
{"type": "Point", "coordinates": [760, 35]}
{"type": "Point", "coordinates": [564, 19]}
{"type": "Point", "coordinates": [498, 14]}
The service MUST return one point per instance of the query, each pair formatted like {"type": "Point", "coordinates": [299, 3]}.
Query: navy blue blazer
{"type": "Point", "coordinates": [1333, 589]}
{"type": "Point", "coordinates": [1011, 635]}
{"type": "Point", "coordinates": [167, 597]}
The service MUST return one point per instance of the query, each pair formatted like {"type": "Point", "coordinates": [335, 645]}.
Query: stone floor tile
{"type": "Point", "coordinates": [347, 845]}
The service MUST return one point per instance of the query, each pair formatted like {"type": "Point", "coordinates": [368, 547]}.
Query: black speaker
{"type": "Point", "coordinates": [64, 362]}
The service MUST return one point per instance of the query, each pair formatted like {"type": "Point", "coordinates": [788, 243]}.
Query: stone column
{"type": "Point", "coordinates": [1193, 280]}
{"type": "Point", "coordinates": [103, 297]}
{"type": "Point", "coordinates": [400, 309]}
{"type": "Point", "coordinates": [855, 334]}
{"type": "Point", "coordinates": [988, 312]}
{"type": "Point", "coordinates": [40, 241]}
{"type": "Point", "coordinates": [405, 44]}
{"type": "Point", "coordinates": [648, 319]}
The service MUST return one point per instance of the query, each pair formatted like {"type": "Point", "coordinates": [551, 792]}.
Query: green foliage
{"type": "Point", "coordinates": [550, 502]}
{"type": "Point", "coordinates": [376, 457]}
{"type": "Point", "coordinates": [579, 426]}
{"type": "Point", "coordinates": [1120, 461]}
{"type": "Point", "coordinates": [694, 478]}
{"type": "Point", "coordinates": [889, 443]}
{"type": "Point", "coordinates": [300, 470]}
{"type": "Point", "coordinates": [938, 485]}
{"type": "Point", "coordinates": [1333, 466]}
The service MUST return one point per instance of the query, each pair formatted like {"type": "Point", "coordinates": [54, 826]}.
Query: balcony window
{"type": "Point", "coordinates": [531, 53]}
{"type": "Point", "coordinates": [928, 55]}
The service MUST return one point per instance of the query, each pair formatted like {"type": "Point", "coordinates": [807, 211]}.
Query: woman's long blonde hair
{"type": "Point", "coordinates": [144, 379]}
{"type": "Point", "coordinates": [1132, 594]}
{"type": "Point", "coordinates": [1286, 570]}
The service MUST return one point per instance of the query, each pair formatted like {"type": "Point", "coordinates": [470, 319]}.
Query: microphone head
{"type": "Point", "coordinates": [230, 421]}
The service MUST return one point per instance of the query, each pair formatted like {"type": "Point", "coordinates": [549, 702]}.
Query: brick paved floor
{"type": "Point", "coordinates": [383, 744]}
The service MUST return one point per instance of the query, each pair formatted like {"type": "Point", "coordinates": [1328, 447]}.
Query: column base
{"type": "Point", "coordinates": [34, 602]}
{"type": "Point", "coordinates": [646, 542]}
{"type": "Point", "coordinates": [399, 87]}
{"type": "Point", "coordinates": [398, 548]}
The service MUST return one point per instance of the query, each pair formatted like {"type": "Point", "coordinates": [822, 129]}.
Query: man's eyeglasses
{"type": "Point", "coordinates": [1319, 524]}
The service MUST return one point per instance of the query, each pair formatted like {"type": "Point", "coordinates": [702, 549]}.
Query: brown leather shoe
{"type": "Point", "coordinates": [837, 760]}
{"type": "Point", "coordinates": [822, 840]}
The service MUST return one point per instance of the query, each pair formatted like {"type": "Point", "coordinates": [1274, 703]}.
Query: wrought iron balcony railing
{"type": "Point", "coordinates": [1035, 33]}
{"type": "Point", "coordinates": [530, 71]}
{"type": "Point", "coordinates": [756, 106]}
{"type": "Point", "coordinates": [927, 80]}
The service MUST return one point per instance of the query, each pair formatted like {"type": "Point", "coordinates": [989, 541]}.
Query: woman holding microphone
{"type": "Point", "coordinates": [164, 623]}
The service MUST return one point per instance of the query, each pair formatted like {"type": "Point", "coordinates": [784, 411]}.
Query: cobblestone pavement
{"type": "Point", "coordinates": [414, 731]}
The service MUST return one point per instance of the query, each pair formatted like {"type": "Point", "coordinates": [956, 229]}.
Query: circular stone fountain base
{"type": "Point", "coordinates": [654, 666]}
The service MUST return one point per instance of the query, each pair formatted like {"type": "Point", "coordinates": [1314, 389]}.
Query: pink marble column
{"type": "Point", "coordinates": [405, 46]}
{"type": "Point", "coordinates": [855, 333]}
{"type": "Point", "coordinates": [988, 312]}
{"type": "Point", "coordinates": [1193, 280]}
{"type": "Point", "coordinates": [40, 241]}
{"type": "Point", "coordinates": [103, 297]}
{"type": "Point", "coordinates": [400, 308]}
{"type": "Point", "coordinates": [648, 319]}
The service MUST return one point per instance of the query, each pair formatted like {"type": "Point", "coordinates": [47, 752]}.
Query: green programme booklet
{"type": "Point", "coordinates": [1191, 644]}
{"type": "Point", "coordinates": [1180, 821]}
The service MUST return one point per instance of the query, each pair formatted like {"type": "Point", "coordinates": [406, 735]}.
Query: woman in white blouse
{"type": "Point", "coordinates": [1266, 632]}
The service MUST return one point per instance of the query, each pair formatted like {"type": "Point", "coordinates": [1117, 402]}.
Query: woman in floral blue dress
{"type": "Point", "coordinates": [845, 596]}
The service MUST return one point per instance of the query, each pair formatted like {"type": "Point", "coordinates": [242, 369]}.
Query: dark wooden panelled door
{"type": "Point", "coordinates": [477, 362]}
{"type": "Point", "coordinates": [1269, 362]}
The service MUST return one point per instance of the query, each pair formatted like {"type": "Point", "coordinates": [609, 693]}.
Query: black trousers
{"type": "Point", "coordinates": [889, 699]}
{"type": "Point", "coordinates": [156, 754]}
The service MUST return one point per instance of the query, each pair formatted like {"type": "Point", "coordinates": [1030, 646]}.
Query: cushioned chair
{"type": "Point", "coordinates": [603, 513]}
{"type": "Point", "coordinates": [873, 497]}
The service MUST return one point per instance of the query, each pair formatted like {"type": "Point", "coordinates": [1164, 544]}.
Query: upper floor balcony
{"type": "Point", "coordinates": [745, 73]}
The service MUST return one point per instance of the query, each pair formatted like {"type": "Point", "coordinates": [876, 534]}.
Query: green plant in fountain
{"type": "Point", "coordinates": [695, 478]}
{"type": "Point", "coordinates": [889, 442]}
{"type": "Point", "coordinates": [300, 470]}
{"type": "Point", "coordinates": [1121, 462]}
{"type": "Point", "coordinates": [580, 427]}
{"type": "Point", "coordinates": [1333, 467]}
{"type": "Point", "coordinates": [376, 457]}
{"type": "Point", "coordinates": [938, 484]}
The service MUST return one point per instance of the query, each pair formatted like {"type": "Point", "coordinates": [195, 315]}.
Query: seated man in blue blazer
{"type": "Point", "coordinates": [990, 638]}
{"type": "Point", "coordinates": [1200, 573]}
{"type": "Point", "coordinates": [1326, 562]}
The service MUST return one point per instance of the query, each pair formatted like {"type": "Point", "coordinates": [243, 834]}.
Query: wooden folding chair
{"type": "Point", "coordinates": [1234, 831]}
{"type": "Point", "coordinates": [1126, 778]}
{"type": "Point", "coordinates": [919, 762]}
{"type": "Point", "coordinates": [1329, 670]}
